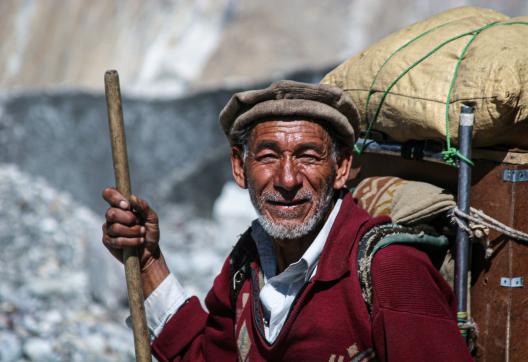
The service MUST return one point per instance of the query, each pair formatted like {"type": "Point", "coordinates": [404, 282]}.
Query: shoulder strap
{"type": "Point", "coordinates": [381, 236]}
{"type": "Point", "coordinates": [244, 252]}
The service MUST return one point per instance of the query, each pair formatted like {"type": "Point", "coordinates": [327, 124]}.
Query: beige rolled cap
{"type": "Point", "coordinates": [287, 99]}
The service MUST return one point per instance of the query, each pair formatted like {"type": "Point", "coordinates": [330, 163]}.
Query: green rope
{"type": "Point", "coordinates": [389, 88]}
{"type": "Point", "coordinates": [370, 91]}
{"type": "Point", "coordinates": [357, 149]}
{"type": "Point", "coordinates": [462, 318]}
{"type": "Point", "coordinates": [515, 23]}
{"type": "Point", "coordinates": [451, 153]}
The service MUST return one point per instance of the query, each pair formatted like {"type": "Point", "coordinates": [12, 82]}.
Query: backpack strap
{"type": "Point", "coordinates": [244, 252]}
{"type": "Point", "coordinates": [381, 236]}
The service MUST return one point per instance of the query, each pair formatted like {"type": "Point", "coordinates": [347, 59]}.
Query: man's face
{"type": "Point", "coordinates": [291, 174]}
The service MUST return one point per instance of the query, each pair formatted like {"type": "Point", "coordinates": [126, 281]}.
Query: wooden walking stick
{"type": "Point", "coordinates": [122, 178]}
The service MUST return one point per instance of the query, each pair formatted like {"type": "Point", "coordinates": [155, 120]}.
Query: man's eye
{"type": "Point", "coordinates": [309, 157]}
{"type": "Point", "coordinates": [266, 157]}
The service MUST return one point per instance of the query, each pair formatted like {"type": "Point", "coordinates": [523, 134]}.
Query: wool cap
{"type": "Point", "coordinates": [322, 103]}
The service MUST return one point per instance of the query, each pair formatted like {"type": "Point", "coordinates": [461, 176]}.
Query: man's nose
{"type": "Point", "coordinates": [287, 176]}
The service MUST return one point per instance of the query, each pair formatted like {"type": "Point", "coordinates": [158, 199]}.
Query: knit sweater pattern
{"type": "Point", "coordinates": [413, 311]}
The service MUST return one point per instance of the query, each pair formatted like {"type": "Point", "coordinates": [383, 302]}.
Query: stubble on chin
{"type": "Point", "coordinates": [288, 231]}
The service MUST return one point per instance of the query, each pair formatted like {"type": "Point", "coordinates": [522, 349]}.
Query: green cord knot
{"type": "Point", "coordinates": [452, 154]}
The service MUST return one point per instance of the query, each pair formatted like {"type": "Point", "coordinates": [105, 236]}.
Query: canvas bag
{"type": "Point", "coordinates": [493, 75]}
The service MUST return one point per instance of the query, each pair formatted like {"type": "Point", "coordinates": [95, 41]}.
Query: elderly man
{"type": "Point", "coordinates": [290, 289]}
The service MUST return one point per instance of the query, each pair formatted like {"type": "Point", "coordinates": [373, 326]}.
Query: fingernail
{"type": "Point", "coordinates": [142, 230]}
{"type": "Point", "coordinates": [123, 204]}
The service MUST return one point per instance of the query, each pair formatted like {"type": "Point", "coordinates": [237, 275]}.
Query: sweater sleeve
{"type": "Point", "coordinates": [413, 309]}
{"type": "Point", "coordinates": [192, 334]}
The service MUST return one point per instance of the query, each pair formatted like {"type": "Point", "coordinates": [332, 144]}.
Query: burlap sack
{"type": "Point", "coordinates": [493, 75]}
{"type": "Point", "coordinates": [406, 202]}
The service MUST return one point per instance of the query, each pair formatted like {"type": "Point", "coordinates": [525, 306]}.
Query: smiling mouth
{"type": "Point", "coordinates": [291, 203]}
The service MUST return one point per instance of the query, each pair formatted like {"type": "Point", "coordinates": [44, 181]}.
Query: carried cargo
{"type": "Point", "coordinates": [411, 84]}
{"type": "Point", "coordinates": [412, 87]}
{"type": "Point", "coordinates": [501, 191]}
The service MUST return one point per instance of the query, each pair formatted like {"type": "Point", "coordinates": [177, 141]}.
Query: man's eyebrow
{"type": "Point", "coordinates": [310, 146]}
{"type": "Point", "coordinates": [263, 145]}
{"type": "Point", "coordinates": [274, 146]}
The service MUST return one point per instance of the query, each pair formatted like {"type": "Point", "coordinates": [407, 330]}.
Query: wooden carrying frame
{"type": "Point", "coordinates": [500, 189]}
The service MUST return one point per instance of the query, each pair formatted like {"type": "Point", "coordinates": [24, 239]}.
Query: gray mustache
{"type": "Point", "coordinates": [302, 195]}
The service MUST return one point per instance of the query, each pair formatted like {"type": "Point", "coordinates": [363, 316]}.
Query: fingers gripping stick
{"type": "Point", "coordinates": [122, 178]}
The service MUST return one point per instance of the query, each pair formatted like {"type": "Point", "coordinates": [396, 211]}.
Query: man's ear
{"type": "Point", "coordinates": [344, 163]}
{"type": "Point", "coordinates": [237, 166]}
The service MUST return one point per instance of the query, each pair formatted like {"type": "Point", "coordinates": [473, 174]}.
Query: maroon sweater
{"type": "Point", "coordinates": [413, 315]}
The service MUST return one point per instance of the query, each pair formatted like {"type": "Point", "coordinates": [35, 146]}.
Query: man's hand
{"type": "Point", "coordinates": [132, 223]}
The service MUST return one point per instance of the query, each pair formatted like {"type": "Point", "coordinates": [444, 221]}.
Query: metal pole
{"type": "Point", "coordinates": [465, 130]}
{"type": "Point", "coordinates": [122, 177]}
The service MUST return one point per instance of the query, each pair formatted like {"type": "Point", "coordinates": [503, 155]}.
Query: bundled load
{"type": "Point", "coordinates": [406, 202]}
{"type": "Point", "coordinates": [411, 84]}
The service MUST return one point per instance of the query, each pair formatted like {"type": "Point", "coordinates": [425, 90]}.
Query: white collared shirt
{"type": "Point", "coordinates": [276, 296]}
{"type": "Point", "coordinates": [279, 291]}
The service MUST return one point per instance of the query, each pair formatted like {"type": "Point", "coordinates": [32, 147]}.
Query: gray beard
{"type": "Point", "coordinates": [289, 232]}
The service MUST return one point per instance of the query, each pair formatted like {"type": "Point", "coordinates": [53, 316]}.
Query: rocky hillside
{"type": "Point", "coordinates": [62, 295]}
{"type": "Point", "coordinates": [167, 47]}
{"type": "Point", "coordinates": [71, 43]}
{"type": "Point", "coordinates": [47, 309]}
{"type": "Point", "coordinates": [177, 150]}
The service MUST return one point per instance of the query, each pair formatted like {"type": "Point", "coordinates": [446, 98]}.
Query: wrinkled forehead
{"type": "Point", "coordinates": [289, 132]}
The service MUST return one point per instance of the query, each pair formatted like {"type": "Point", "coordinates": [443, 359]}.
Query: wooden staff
{"type": "Point", "coordinates": [122, 178]}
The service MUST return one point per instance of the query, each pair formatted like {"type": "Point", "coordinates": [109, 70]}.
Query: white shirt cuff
{"type": "Point", "coordinates": [162, 304]}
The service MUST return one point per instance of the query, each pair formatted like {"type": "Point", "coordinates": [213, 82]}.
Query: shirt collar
{"type": "Point", "coordinates": [310, 257]}
{"type": "Point", "coordinates": [268, 263]}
